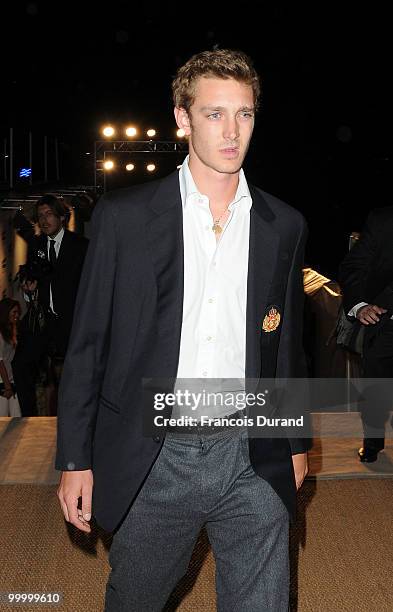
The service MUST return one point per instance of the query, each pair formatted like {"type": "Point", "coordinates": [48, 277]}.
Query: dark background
{"type": "Point", "coordinates": [323, 139]}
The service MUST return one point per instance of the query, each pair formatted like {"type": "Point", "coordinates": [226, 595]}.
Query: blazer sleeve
{"type": "Point", "coordinates": [355, 268]}
{"type": "Point", "coordinates": [86, 357]}
{"type": "Point", "coordinates": [292, 360]}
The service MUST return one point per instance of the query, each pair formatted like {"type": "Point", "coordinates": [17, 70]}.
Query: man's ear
{"type": "Point", "coordinates": [183, 120]}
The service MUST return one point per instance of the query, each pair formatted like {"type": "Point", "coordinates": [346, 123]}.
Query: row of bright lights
{"type": "Point", "coordinates": [108, 131]}
{"type": "Point", "coordinates": [110, 165]}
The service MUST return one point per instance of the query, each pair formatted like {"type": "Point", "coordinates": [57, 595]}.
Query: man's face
{"type": "Point", "coordinates": [47, 220]}
{"type": "Point", "coordinates": [219, 124]}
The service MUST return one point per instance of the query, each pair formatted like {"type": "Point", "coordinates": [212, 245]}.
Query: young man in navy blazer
{"type": "Point", "coordinates": [196, 276]}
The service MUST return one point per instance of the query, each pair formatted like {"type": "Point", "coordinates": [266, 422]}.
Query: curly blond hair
{"type": "Point", "coordinates": [219, 63]}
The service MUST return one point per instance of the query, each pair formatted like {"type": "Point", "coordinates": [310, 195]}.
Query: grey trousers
{"type": "Point", "coordinates": [202, 480]}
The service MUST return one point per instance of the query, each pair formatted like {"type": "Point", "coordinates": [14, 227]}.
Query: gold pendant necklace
{"type": "Point", "coordinates": [217, 229]}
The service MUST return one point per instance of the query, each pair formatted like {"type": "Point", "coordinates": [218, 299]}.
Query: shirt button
{"type": "Point", "coordinates": [210, 300]}
{"type": "Point", "coordinates": [204, 373]}
{"type": "Point", "coordinates": [157, 439]}
{"type": "Point", "coordinates": [214, 263]}
{"type": "Point", "coordinates": [209, 338]}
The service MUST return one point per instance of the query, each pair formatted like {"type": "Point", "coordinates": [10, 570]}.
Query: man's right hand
{"type": "Point", "coordinates": [29, 285]}
{"type": "Point", "coordinates": [370, 314]}
{"type": "Point", "coordinates": [74, 485]}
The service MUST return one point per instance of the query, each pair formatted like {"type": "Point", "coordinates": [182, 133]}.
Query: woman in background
{"type": "Point", "coordinates": [10, 311]}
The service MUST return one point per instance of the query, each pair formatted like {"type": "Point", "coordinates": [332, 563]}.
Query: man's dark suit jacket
{"type": "Point", "coordinates": [129, 324]}
{"type": "Point", "coordinates": [367, 270]}
{"type": "Point", "coordinates": [64, 279]}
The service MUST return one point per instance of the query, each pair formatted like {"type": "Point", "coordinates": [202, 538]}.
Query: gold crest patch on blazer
{"type": "Point", "coordinates": [271, 320]}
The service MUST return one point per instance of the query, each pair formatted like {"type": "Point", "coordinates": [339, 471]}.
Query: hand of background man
{"type": "Point", "coordinates": [300, 467]}
{"type": "Point", "coordinates": [8, 392]}
{"type": "Point", "coordinates": [29, 285]}
{"type": "Point", "coordinates": [74, 485]}
{"type": "Point", "coordinates": [369, 314]}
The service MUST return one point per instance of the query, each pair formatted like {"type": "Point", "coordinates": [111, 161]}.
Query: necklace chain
{"type": "Point", "coordinates": [216, 227]}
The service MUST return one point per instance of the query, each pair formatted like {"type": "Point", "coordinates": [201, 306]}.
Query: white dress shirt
{"type": "Point", "coordinates": [354, 310]}
{"type": "Point", "coordinates": [58, 238]}
{"type": "Point", "coordinates": [213, 333]}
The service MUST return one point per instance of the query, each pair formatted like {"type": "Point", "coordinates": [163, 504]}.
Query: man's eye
{"type": "Point", "coordinates": [214, 116]}
{"type": "Point", "coordinates": [247, 115]}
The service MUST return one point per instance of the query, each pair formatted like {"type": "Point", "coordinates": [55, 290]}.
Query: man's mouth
{"type": "Point", "coordinates": [230, 152]}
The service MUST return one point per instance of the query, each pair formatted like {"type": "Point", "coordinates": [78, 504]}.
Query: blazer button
{"type": "Point", "coordinates": [157, 439]}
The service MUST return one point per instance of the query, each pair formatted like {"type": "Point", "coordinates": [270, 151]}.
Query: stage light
{"type": "Point", "coordinates": [109, 165]}
{"type": "Point", "coordinates": [150, 167]}
{"type": "Point", "coordinates": [180, 133]}
{"type": "Point", "coordinates": [131, 131]}
{"type": "Point", "coordinates": [130, 167]}
{"type": "Point", "coordinates": [108, 131]}
{"type": "Point", "coordinates": [151, 133]}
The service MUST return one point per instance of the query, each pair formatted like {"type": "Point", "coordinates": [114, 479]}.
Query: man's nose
{"type": "Point", "coordinates": [231, 129]}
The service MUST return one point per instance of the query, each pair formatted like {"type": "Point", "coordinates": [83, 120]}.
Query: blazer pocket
{"type": "Point", "coordinates": [107, 404]}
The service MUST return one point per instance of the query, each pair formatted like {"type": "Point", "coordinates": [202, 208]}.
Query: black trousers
{"type": "Point", "coordinates": [377, 363]}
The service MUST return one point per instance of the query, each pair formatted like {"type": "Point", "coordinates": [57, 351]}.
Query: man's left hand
{"type": "Point", "coordinates": [300, 466]}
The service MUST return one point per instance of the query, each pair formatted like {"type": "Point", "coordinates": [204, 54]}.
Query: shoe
{"type": "Point", "coordinates": [368, 455]}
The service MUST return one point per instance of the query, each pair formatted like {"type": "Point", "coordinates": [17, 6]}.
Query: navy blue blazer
{"type": "Point", "coordinates": [129, 324]}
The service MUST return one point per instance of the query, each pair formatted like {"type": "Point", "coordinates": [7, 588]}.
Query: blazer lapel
{"type": "Point", "coordinates": [165, 242]}
{"type": "Point", "coordinates": [65, 249]}
{"type": "Point", "coordinates": [44, 283]}
{"type": "Point", "coordinates": [263, 250]}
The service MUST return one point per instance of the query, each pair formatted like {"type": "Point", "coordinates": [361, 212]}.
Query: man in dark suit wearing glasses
{"type": "Point", "coordinates": [54, 265]}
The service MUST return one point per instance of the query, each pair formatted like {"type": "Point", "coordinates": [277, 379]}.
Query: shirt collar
{"type": "Point", "coordinates": [58, 238]}
{"type": "Point", "coordinates": [188, 187]}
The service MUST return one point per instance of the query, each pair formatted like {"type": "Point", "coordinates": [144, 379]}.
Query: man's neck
{"type": "Point", "coordinates": [54, 236]}
{"type": "Point", "coordinates": [219, 187]}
